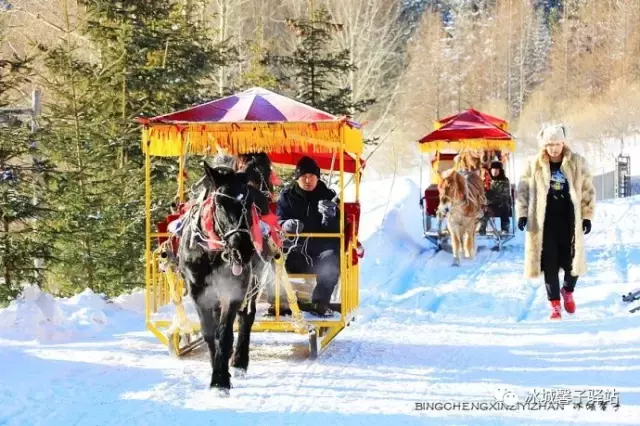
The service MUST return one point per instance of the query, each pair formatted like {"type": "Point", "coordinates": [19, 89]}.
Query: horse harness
{"type": "Point", "coordinates": [203, 216]}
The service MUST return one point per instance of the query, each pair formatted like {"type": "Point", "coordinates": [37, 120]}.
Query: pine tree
{"type": "Point", "coordinates": [257, 74]}
{"type": "Point", "coordinates": [312, 70]}
{"type": "Point", "coordinates": [152, 60]}
{"type": "Point", "coordinates": [22, 239]}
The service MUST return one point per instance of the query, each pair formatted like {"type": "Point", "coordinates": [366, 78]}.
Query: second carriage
{"type": "Point", "coordinates": [482, 136]}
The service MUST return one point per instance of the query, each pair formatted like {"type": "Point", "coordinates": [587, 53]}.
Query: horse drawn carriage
{"type": "Point", "coordinates": [253, 121]}
{"type": "Point", "coordinates": [467, 141]}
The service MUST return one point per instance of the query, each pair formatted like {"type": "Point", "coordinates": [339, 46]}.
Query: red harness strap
{"type": "Point", "coordinates": [206, 220]}
{"type": "Point", "coordinates": [275, 180]}
{"type": "Point", "coordinates": [215, 243]}
{"type": "Point", "coordinates": [274, 229]}
{"type": "Point", "coordinates": [256, 233]}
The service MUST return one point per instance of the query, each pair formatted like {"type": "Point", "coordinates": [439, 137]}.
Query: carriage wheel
{"type": "Point", "coordinates": [313, 344]}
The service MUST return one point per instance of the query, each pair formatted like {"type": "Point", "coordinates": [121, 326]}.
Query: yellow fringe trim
{"type": "Point", "coordinates": [165, 140]}
{"type": "Point", "coordinates": [481, 144]}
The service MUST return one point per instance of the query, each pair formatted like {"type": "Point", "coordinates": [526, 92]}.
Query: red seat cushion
{"type": "Point", "coordinates": [431, 200]}
{"type": "Point", "coordinates": [352, 217]}
{"type": "Point", "coordinates": [161, 227]}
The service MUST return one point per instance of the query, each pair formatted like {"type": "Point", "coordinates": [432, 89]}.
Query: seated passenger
{"type": "Point", "coordinates": [498, 199]}
{"type": "Point", "coordinates": [307, 206]}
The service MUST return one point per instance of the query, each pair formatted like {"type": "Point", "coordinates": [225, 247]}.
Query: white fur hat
{"type": "Point", "coordinates": [552, 132]}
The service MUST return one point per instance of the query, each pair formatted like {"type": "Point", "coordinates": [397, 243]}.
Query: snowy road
{"type": "Point", "coordinates": [425, 332]}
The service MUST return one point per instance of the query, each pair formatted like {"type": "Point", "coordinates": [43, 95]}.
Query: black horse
{"type": "Point", "coordinates": [219, 261]}
{"type": "Point", "coordinates": [258, 167]}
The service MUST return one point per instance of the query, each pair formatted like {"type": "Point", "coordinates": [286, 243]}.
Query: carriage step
{"type": "Point", "coordinates": [306, 305]}
{"type": "Point", "coordinates": [302, 276]}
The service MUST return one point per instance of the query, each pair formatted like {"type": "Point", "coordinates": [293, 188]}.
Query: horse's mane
{"type": "Point", "coordinates": [468, 159]}
{"type": "Point", "coordinates": [466, 187]}
{"type": "Point", "coordinates": [258, 166]}
{"type": "Point", "coordinates": [475, 190]}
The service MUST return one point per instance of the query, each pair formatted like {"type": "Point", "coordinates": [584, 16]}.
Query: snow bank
{"type": "Point", "coordinates": [133, 301]}
{"type": "Point", "coordinates": [88, 299]}
{"type": "Point", "coordinates": [34, 315]}
{"type": "Point", "coordinates": [37, 315]}
{"type": "Point", "coordinates": [392, 236]}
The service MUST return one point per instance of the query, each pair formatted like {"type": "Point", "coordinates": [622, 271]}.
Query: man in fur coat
{"type": "Point", "coordinates": [555, 202]}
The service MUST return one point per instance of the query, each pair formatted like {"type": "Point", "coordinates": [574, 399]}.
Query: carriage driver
{"type": "Point", "coordinates": [498, 199]}
{"type": "Point", "coordinates": [307, 206]}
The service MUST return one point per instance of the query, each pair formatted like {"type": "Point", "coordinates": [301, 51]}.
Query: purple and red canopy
{"type": "Point", "coordinates": [261, 105]}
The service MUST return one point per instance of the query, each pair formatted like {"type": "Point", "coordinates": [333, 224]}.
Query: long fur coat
{"type": "Point", "coordinates": [531, 202]}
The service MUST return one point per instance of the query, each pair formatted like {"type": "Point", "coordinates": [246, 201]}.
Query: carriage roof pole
{"type": "Point", "coordinates": [343, 270]}
{"type": "Point", "coordinates": [333, 162]}
{"type": "Point", "coordinates": [358, 177]}
{"type": "Point", "coordinates": [512, 160]}
{"type": "Point", "coordinates": [181, 165]}
{"type": "Point", "coordinates": [421, 195]}
{"type": "Point", "coordinates": [339, 194]}
{"type": "Point", "coordinates": [147, 225]}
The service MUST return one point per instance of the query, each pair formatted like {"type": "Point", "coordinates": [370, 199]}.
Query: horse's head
{"type": "Point", "coordinates": [451, 186]}
{"type": "Point", "coordinates": [232, 214]}
{"type": "Point", "coordinates": [258, 169]}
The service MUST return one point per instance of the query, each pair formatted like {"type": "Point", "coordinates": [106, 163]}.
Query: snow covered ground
{"type": "Point", "coordinates": [426, 331]}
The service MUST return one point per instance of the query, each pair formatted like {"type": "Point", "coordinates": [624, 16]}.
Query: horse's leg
{"type": "Point", "coordinates": [220, 378]}
{"type": "Point", "coordinates": [472, 237]}
{"type": "Point", "coordinates": [465, 242]}
{"type": "Point", "coordinates": [455, 245]}
{"type": "Point", "coordinates": [240, 360]}
{"type": "Point", "coordinates": [209, 318]}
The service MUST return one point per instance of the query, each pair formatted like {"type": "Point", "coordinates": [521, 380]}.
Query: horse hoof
{"type": "Point", "coordinates": [239, 372]}
{"type": "Point", "coordinates": [221, 392]}
{"type": "Point", "coordinates": [221, 386]}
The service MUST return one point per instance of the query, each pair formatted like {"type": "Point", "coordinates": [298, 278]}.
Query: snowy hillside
{"type": "Point", "coordinates": [425, 332]}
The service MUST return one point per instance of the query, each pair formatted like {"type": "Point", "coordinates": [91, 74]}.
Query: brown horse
{"type": "Point", "coordinates": [463, 194]}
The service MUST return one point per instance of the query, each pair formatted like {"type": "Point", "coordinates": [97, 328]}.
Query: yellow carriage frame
{"type": "Point", "coordinates": [164, 285]}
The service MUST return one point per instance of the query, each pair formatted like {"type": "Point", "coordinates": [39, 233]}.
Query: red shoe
{"type": "Point", "coordinates": [569, 303]}
{"type": "Point", "coordinates": [555, 310]}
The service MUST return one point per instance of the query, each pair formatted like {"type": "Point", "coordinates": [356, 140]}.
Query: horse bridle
{"type": "Point", "coordinates": [231, 254]}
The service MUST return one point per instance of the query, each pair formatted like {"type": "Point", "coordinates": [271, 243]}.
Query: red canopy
{"type": "Point", "coordinates": [258, 104]}
{"type": "Point", "coordinates": [323, 160]}
{"type": "Point", "coordinates": [498, 122]}
{"type": "Point", "coordinates": [255, 104]}
{"type": "Point", "coordinates": [467, 125]}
